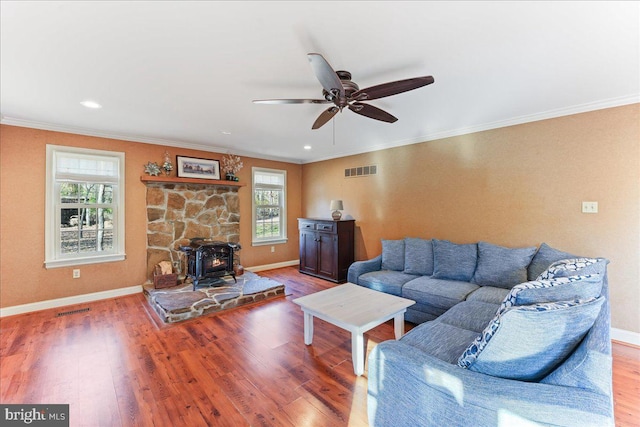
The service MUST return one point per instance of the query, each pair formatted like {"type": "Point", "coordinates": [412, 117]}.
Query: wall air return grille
{"type": "Point", "coordinates": [360, 171]}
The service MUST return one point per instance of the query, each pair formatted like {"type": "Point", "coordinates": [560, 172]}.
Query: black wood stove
{"type": "Point", "coordinates": [208, 261]}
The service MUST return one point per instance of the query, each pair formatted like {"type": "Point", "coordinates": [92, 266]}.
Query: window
{"type": "Point", "coordinates": [269, 206]}
{"type": "Point", "coordinates": [85, 206]}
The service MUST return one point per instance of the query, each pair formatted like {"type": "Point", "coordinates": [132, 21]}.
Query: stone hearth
{"type": "Point", "coordinates": [182, 302]}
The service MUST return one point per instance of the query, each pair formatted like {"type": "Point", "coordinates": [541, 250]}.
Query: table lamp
{"type": "Point", "coordinates": [336, 207]}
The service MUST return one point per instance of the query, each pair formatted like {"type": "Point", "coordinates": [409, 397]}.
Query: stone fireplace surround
{"type": "Point", "coordinates": [178, 212]}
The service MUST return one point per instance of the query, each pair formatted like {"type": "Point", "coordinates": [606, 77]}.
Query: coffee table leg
{"type": "Point", "coordinates": [357, 352]}
{"type": "Point", "coordinates": [308, 328]}
{"type": "Point", "coordinates": [398, 325]}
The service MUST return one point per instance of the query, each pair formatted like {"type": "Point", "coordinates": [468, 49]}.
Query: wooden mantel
{"type": "Point", "coordinates": [177, 180]}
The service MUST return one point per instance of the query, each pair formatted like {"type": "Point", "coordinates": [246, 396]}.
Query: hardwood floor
{"type": "Point", "coordinates": [118, 365]}
{"type": "Point", "coordinates": [626, 384]}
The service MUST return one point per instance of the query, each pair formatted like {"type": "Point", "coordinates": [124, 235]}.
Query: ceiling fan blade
{"type": "Point", "coordinates": [391, 88]}
{"type": "Point", "coordinates": [372, 112]}
{"type": "Point", "coordinates": [325, 74]}
{"type": "Point", "coordinates": [290, 101]}
{"type": "Point", "coordinates": [325, 117]}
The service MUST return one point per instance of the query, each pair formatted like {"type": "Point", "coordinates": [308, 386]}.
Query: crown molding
{"type": "Point", "coordinates": [545, 115]}
{"type": "Point", "coordinates": [12, 121]}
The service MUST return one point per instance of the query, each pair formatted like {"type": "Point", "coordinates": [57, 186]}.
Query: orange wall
{"type": "Point", "coordinates": [515, 186]}
{"type": "Point", "coordinates": [23, 278]}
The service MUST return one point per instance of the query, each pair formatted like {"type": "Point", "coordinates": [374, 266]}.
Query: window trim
{"type": "Point", "coordinates": [283, 217]}
{"type": "Point", "coordinates": [52, 257]}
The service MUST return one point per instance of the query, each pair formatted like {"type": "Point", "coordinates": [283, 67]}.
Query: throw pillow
{"type": "Point", "coordinates": [454, 261]}
{"type": "Point", "coordinates": [545, 256]}
{"type": "Point", "coordinates": [553, 290]}
{"type": "Point", "coordinates": [574, 266]}
{"type": "Point", "coordinates": [393, 255]}
{"type": "Point", "coordinates": [418, 256]}
{"type": "Point", "coordinates": [502, 267]}
{"type": "Point", "coordinates": [528, 342]}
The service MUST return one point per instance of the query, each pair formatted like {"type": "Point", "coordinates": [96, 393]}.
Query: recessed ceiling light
{"type": "Point", "coordinates": [307, 147]}
{"type": "Point", "coordinates": [225, 132]}
{"type": "Point", "coordinates": [91, 104]}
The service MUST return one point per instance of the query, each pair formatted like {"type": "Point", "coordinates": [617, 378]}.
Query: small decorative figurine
{"type": "Point", "coordinates": [166, 163]}
{"type": "Point", "coordinates": [152, 168]}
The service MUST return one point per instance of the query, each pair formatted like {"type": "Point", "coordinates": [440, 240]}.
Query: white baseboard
{"type": "Point", "coordinates": [257, 268]}
{"type": "Point", "coordinates": [96, 296]}
{"type": "Point", "coordinates": [61, 302]}
{"type": "Point", "coordinates": [622, 335]}
{"type": "Point", "coordinates": [628, 337]}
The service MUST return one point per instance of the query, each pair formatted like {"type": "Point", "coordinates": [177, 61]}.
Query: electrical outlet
{"type": "Point", "coordinates": [76, 273]}
{"type": "Point", "coordinates": [589, 207]}
{"type": "Point", "coordinates": [273, 248]}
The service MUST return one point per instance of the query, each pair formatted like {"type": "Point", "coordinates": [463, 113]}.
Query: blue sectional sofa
{"type": "Point", "coordinates": [505, 336]}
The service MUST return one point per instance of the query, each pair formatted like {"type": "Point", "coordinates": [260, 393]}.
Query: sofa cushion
{"type": "Point", "coordinates": [429, 309]}
{"type": "Point", "coordinates": [554, 290]}
{"type": "Point", "coordinates": [454, 261]}
{"type": "Point", "coordinates": [440, 340]}
{"type": "Point", "coordinates": [502, 267]}
{"type": "Point", "coordinates": [575, 266]}
{"type": "Point", "coordinates": [418, 256]}
{"type": "Point", "coordinates": [545, 256]}
{"type": "Point", "coordinates": [437, 292]}
{"type": "Point", "coordinates": [528, 342]}
{"type": "Point", "coordinates": [489, 294]}
{"type": "Point", "coordinates": [589, 366]}
{"type": "Point", "coordinates": [385, 281]}
{"type": "Point", "coordinates": [469, 315]}
{"type": "Point", "coordinates": [418, 317]}
{"type": "Point", "coordinates": [393, 255]}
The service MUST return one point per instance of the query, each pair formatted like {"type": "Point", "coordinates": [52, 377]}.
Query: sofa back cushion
{"type": "Point", "coordinates": [502, 267]}
{"type": "Point", "coordinates": [575, 266]}
{"type": "Point", "coordinates": [528, 342]}
{"type": "Point", "coordinates": [454, 261]}
{"type": "Point", "coordinates": [545, 256]}
{"type": "Point", "coordinates": [589, 366]}
{"type": "Point", "coordinates": [418, 256]}
{"type": "Point", "coordinates": [393, 255]}
{"type": "Point", "coordinates": [553, 290]}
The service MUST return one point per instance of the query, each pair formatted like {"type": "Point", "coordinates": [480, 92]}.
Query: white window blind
{"type": "Point", "coordinates": [81, 167]}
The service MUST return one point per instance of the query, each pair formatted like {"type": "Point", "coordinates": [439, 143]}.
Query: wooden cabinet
{"type": "Point", "coordinates": [326, 247]}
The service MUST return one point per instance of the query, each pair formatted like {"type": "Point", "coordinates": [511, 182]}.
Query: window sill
{"type": "Point", "coordinates": [83, 261]}
{"type": "Point", "coordinates": [269, 242]}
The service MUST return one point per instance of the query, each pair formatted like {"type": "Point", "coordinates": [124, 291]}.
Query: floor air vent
{"type": "Point", "coordinates": [67, 313]}
{"type": "Point", "coordinates": [360, 171]}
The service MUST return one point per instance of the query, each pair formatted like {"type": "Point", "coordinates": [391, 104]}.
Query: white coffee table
{"type": "Point", "coordinates": [356, 309]}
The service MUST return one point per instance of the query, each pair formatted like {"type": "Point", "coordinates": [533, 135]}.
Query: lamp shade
{"type": "Point", "coordinates": [336, 205]}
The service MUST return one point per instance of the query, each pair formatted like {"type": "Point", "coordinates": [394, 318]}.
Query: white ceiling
{"type": "Point", "coordinates": [182, 73]}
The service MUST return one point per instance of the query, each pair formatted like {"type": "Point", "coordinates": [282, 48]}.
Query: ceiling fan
{"type": "Point", "coordinates": [338, 89]}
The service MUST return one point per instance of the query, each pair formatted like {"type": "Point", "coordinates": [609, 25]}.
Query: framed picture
{"type": "Point", "coordinates": [191, 167]}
